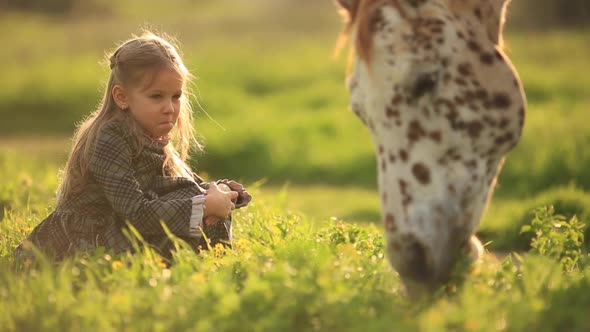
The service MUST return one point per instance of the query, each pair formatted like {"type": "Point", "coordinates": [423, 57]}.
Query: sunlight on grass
{"type": "Point", "coordinates": [286, 272]}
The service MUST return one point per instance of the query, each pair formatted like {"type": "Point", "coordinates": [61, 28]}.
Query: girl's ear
{"type": "Point", "coordinates": [120, 97]}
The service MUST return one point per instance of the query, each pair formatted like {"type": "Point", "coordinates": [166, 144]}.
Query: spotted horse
{"type": "Point", "coordinates": [444, 106]}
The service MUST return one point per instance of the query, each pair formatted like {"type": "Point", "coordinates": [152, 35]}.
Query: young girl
{"type": "Point", "coordinates": [128, 165]}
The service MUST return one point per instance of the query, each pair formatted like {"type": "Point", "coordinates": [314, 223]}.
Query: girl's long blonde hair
{"type": "Point", "coordinates": [133, 62]}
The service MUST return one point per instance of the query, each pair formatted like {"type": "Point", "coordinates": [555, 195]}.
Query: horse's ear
{"type": "Point", "coordinates": [348, 5]}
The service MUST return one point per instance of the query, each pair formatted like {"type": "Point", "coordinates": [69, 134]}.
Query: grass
{"type": "Point", "coordinates": [286, 272]}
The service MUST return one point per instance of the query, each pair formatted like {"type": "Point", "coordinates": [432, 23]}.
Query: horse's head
{"type": "Point", "coordinates": [444, 106]}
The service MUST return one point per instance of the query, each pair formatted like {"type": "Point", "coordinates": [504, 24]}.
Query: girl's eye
{"type": "Point", "coordinates": [177, 96]}
{"type": "Point", "coordinates": [156, 96]}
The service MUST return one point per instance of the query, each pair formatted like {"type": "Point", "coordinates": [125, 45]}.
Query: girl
{"type": "Point", "coordinates": [128, 165]}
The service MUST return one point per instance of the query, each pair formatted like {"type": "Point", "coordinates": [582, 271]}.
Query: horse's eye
{"type": "Point", "coordinates": [425, 83]}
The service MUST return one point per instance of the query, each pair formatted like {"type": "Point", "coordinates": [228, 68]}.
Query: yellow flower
{"type": "Point", "coordinates": [218, 250]}
{"type": "Point", "coordinates": [162, 264]}
{"type": "Point", "coordinates": [119, 298]}
{"type": "Point", "coordinates": [116, 265]}
{"type": "Point", "coordinates": [198, 277]}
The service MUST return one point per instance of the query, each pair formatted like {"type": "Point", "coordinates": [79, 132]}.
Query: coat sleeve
{"type": "Point", "coordinates": [111, 167]}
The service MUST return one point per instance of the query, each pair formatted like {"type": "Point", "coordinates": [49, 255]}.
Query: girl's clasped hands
{"type": "Point", "coordinates": [221, 198]}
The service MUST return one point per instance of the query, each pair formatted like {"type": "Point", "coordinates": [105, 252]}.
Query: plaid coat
{"type": "Point", "coordinates": [125, 185]}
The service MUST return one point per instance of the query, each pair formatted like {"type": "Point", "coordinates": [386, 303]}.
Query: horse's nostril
{"type": "Point", "coordinates": [425, 83]}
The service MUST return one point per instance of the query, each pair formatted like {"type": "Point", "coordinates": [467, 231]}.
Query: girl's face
{"type": "Point", "coordinates": [156, 106]}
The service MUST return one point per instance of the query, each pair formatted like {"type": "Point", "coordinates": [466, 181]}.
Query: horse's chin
{"type": "Point", "coordinates": [467, 264]}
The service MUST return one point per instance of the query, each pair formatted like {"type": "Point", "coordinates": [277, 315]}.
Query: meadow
{"type": "Point", "coordinates": [271, 110]}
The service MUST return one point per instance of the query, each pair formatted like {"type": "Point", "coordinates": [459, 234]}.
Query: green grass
{"type": "Point", "coordinates": [287, 272]}
{"type": "Point", "coordinates": [309, 253]}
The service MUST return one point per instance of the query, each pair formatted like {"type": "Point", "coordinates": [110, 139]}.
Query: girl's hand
{"type": "Point", "coordinates": [218, 203]}
{"type": "Point", "coordinates": [225, 188]}
{"type": "Point", "coordinates": [243, 196]}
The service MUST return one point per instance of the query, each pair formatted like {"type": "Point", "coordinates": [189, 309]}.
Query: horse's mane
{"type": "Point", "coordinates": [357, 18]}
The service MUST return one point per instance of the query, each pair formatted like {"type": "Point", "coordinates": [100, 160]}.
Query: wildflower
{"type": "Point", "coordinates": [119, 298]}
{"type": "Point", "coordinates": [198, 277]}
{"type": "Point", "coordinates": [218, 250]}
{"type": "Point", "coordinates": [162, 264]}
{"type": "Point", "coordinates": [117, 265]}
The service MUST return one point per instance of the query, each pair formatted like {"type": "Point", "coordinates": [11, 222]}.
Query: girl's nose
{"type": "Point", "coordinates": [169, 107]}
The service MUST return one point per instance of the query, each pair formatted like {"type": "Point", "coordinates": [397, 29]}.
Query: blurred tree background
{"type": "Point", "coordinates": [531, 14]}
{"type": "Point", "coordinates": [547, 14]}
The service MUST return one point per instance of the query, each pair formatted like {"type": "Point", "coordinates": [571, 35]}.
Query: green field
{"type": "Point", "coordinates": [274, 115]}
